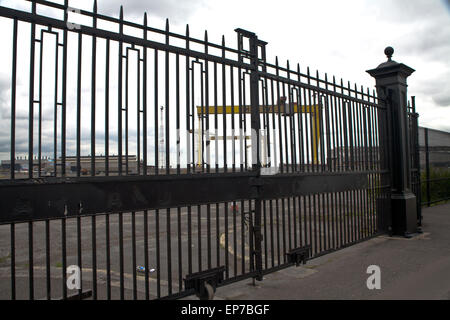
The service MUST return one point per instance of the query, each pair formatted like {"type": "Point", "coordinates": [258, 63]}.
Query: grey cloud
{"type": "Point", "coordinates": [401, 11]}
{"type": "Point", "coordinates": [175, 9]}
{"type": "Point", "coordinates": [442, 99]}
{"type": "Point", "coordinates": [430, 41]}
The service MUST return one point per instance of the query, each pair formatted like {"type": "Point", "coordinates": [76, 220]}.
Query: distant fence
{"type": "Point", "coordinates": [435, 165]}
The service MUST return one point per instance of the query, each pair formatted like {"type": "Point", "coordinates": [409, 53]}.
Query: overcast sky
{"type": "Point", "coordinates": [343, 38]}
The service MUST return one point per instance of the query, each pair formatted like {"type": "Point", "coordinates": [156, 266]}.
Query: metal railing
{"type": "Point", "coordinates": [436, 182]}
{"type": "Point", "coordinates": [248, 168]}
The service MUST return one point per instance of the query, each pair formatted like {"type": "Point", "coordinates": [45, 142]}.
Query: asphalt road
{"type": "Point", "coordinates": [417, 268]}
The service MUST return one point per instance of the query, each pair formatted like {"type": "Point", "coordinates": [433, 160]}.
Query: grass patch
{"type": "Point", "coordinates": [438, 189]}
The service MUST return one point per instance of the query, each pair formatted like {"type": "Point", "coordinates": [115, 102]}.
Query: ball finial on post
{"type": "Point", "coordinates": [389, 51]}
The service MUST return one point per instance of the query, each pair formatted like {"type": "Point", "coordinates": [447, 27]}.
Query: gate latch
{"type": "Point", "coordinates": [205, 282]}
{"type": "Point", "coordinates": [299, 255]}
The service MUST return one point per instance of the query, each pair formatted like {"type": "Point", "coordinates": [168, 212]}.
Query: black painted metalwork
{"type": "Point", "coordinates": [198, 155]}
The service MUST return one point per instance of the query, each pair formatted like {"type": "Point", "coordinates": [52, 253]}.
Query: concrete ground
{"type": "Point", "coordinates": [417, 268]}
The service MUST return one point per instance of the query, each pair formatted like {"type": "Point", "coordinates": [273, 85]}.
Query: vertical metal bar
{"type": "Point", "coordinates": [13, 108]}
{"type": "Point", "coordinates": [188, 143]}
{"type": "Point", "coordinates": [216, 127]}
{"type": "Point", "coordinates": [144, 107]}
{"type": "Point", "coordinates": [169, 252]}
{"type": "Point", "coordinates": [291, 124]}
{"type": "Point", "coordinates": [64, 97]}
{"type": "Point", "coordinates": [189, 227]}
{"type": "Point", "coordinates": [31, 96]}
{"type": "Point", "coordinates": [94, 257]}
{"type": "Point", "coordinates": [192, 115]}
{"type": "Point", "coordinates": [146, 265]}
{"type": "Point", "coordinates": [79, 255]}
{"type": "Point", "coordinates": [256, 167]}
{"type": "Point", "coordinates": [13, 260]}
{"type": "Point", "coordinates": [310, 221]}
{"type": "Point", "coordinates": [80, 48]}
{"type": "Point", "coordinates": [224, 118]}
{"type": "Point", "coordinates": [417, 160]}
{"type": "Point", "coordinates": [108, 258]}
{"type": "Point", "coordinates": [55, 116]}
{"type": "Point", "coordinates": [139, 111]}
{"type": "Point", "coordinates": [93, 93]}
{"type": "Point", "coordinates": [30, 260]}
{"type": "Point", "coordinates": [240, 117]}
{"type": "Point", "coordinates": [233, 134]}
{"type": "Point", "coordinates": [64, 256]}
{"type": "Point", "coordinates": [234, 238]}
{"type": "Point", "coordinates": [127, 96]}
{"type": "Point", "coordinates": [294, 222]}
{"type": "Point", "coordinates": [300, 235]}
{"type": "Point", "coordinates": [280, 138]}
{"type": "Point", "coordinates": [307, 129]}
{"type": "Point", "coordinates": [278, 232]}
{"type": "Point", "coordinates": [315, 225]}
{"type": "Point", "coordinates": [177, 76]}
{"type": "Point", "coordinates": [133, 253]}
{"type": "Point", "coordinates": [333, 221]}
{"type": "Point", "coordinates": [285, 125]}
{"type": "Point", "coordinates": [107, 108]}
{"type": "Point", "coordinates": [217, 235]}
{"type": "Point", "coordinates": [289, 223]}
{"type": "Point", "coordinates": [208, 140]}
{"type": "Point", "coordinates": [121, 265]}
{"type": "Point", "coordinates": [271, 234]}
{"type": "Point", "coordinates": [199, 237]}
{"type": "Point", "coordinates": [47, 258]}
{"type": "Point", "coordinates": [158, 255]}
{"type": "Point", "coordinates": [167, 123]}
{"type": "Point", "coordinates": [427, 168]}
{"type": "Point", "coordinates": [180, 249]}
{"type": "Point", "coordinates": [157, 151]}
{"type": "Point", "coordinates": [243, 225]}
{"type": "Point", "coordinates": [305, 225]}
{"type": "Point", "coordinates": [208, 234]}
{"type": "Point", "coordinates": [41, 52]}
{"type": "Point", "coordinates": [283, 218]}
{"type": "Point", "coordinates": [227, 264]}
{"type": "Point", "coordinates": [119, 99]}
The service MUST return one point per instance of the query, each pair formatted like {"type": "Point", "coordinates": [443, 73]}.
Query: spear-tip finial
{"type": "Point", "coordinates": [121, 13]}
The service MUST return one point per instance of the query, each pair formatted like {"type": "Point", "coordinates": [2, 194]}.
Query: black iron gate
{"type": "Point", "coordinates": [156, 162]}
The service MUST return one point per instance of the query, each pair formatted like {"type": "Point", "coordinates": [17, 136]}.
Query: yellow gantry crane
{"type": "Point", "coordinates": [283, 109]}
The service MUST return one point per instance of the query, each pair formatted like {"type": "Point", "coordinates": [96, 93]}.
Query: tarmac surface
{"type": "Point", "coordinates": [416, 268]}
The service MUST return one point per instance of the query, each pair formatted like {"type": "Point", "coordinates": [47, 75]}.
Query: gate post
{"type": "Point", "coordinates": [256, 157]}
{"type": "Point", "coordinates": [391, 85]}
